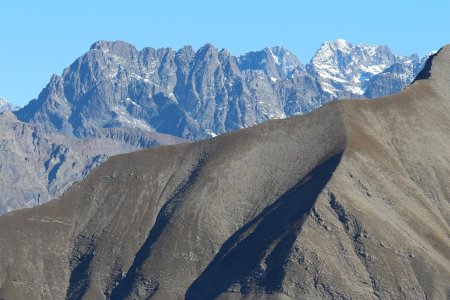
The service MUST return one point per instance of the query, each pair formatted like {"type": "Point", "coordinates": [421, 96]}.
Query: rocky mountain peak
{"type": "Point", "coordinates": [212, 91]}
{"type": "Point", "coordinates": [119, 48]}
{"type": "Point", "coordinates": [287, 61]}
{"type": "Point", "coordinates": [346, 70]}
{"type": "Point", "coordinates": [208, 51]}
{"type": "Point", "coordinates": [277, 62]}
{"type": "Point", "coordinates": [328, 48]}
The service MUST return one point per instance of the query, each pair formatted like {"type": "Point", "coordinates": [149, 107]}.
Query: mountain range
{"type": "Point", "coordinates": [195, 95]}
{"type": "Point", "coordinates": [350, 201]}
{"type": "Point", "coordinates": [119, 99]}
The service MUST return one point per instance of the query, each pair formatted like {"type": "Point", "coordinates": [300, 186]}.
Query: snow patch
{"type": "Point", "coordinates": [211, 133]}
{"type": "Point", "coordinates": [355, 90]}
{"type": "Point", "coordinates": [275, 58]}
{"type": "Point", "coordinates": [124, 118]}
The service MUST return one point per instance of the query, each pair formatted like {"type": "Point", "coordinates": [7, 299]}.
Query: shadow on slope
{"type": "Point", "coordinates": [133, 281]}
{"type": "Point", "coordinates": [255, 255]}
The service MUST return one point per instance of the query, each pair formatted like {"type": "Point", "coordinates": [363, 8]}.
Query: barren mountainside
{"type": "Point", "coordinates": [349, 201]}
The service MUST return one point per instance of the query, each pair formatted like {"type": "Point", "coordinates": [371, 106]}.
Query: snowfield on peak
{"type": "Point", "coordinates": [345, 70]}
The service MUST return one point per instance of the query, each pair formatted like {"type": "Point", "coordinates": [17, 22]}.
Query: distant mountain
{"type": "Point", "coordinates": [36, 166]}
{"type": "Point", "coordinates": [5, 105]}
{"type": "Point", "coordinates": [350, 201]}
{"type": "Point", "coordinates": [394, 78]}
{"type": "Point", "coordinates": [199, 94]}
{"type": "Point", "coordinates": [354, 71]}
{"type": "Point", "coordinates": [116, 95]}
{"type": "Point", "coordinates": [188, 94]}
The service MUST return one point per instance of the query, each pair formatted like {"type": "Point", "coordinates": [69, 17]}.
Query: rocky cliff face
{"type": "Point", "coordinates": [350, 201]}
{"type": "Point", "coordinates": [200, 94]}
{"type": "Point", "coordinates": [184, 93]}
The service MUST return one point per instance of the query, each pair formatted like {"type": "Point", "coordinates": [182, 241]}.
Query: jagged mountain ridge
{"type": "Point", "coordinates": [199, 94]}
{"type": "Point", "coordinates": [349, 201]}
{"type": "Point", "coordinates": [354, 71]}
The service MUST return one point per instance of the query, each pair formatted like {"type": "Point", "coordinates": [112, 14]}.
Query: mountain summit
{"type": "Point", "coordinates": [348, 71]}
{"type": "Point", "coordinates": [349, 201]}
{"type": "Point", "coordinates": [199, 94]}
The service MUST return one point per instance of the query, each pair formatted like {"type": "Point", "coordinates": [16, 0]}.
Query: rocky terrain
{"type": "Point", "coordinates": [358, 71]}
{"type": "Point", "coordinates": [115, 94]}
{"type": "Point", "coordinates": [200, 94]}
{"type": "Point", "coordinates": [37, 166]}
{"type": "Point", "coordinates": [349, 201]}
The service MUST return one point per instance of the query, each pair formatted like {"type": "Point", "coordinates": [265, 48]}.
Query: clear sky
{"type": "Point", "coordinates": [41, 38]}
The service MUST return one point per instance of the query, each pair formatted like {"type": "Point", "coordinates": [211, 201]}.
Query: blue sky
{"type": "Point", "coordinates": [41, 38]}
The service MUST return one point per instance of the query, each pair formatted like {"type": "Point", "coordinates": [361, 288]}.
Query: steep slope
{"type": "Point", "coordinates": [37, 166]}
{"type": "Point", "coordinates": [350, 201]}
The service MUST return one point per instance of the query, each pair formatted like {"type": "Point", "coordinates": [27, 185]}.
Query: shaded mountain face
{"type": "Point", "coordinates": [119, 95]}
{"type": "Point", "coordinates": [349, 201]}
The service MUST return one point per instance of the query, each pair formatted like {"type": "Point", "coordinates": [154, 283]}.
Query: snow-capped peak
{"type": "Point", "coordinates": [344, 69]}
{"type": "Point", "coordinates": [342, 43]}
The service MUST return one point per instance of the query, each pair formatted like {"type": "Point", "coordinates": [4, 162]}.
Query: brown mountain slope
{"type": "Point", "coordinates": [350, 201]}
